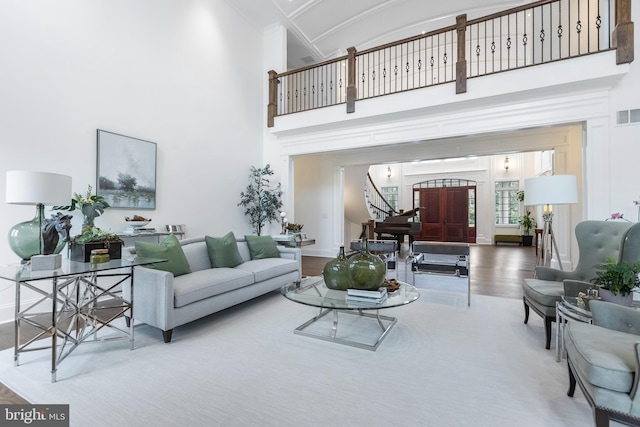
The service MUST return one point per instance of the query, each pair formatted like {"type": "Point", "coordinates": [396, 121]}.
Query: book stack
{"type": "Point", "coordinates": [362, 296]}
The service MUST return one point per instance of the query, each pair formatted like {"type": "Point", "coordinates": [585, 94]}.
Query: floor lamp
{"type": "Point", "coordinates": [547, 191]}
{"type": "Point", "coordinates": [36, 189]}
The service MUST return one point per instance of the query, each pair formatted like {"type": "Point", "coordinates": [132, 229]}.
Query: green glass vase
{"type": "Point", "coordinates": [336, 272]}
{"type": "Point", "coordinates": [366, 271]}
{"type": "Point", "coordinates": [24, 239]}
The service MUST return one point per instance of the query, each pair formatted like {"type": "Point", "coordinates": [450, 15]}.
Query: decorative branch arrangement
{"type": "Point", "coordinates": [261, 201]}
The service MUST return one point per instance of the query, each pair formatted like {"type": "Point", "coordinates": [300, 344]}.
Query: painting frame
{"type": "Point", "coordinates": [126, 171]}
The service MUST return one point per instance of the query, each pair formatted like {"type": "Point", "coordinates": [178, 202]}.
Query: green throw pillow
{"type": "Point", "coordinates": [262, 247]}
{"type": "Point", "coordinates": [223, 251]}
{"type": "Point", "coordinates": [170, 250]}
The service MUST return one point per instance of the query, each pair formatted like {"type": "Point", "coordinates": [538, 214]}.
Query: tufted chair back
{"type": "Point", "coordinates": [631, 244]}
{"type": "Point", "coordinates": [597, 240]}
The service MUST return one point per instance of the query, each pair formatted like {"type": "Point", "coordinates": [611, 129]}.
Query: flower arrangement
{"type": "Point", "coordinates": [91, 206]}
{"type": "Point", "coordinates": [294, 228]}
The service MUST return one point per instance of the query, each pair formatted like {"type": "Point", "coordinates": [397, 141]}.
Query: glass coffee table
{"type": "Point", "coordinates": [313, 292]}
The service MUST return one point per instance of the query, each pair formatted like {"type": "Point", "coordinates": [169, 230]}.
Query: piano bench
{"type": "Point", "coordinates": [507, 238]}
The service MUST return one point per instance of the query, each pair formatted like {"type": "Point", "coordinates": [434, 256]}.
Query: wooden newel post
{"type": "Point", "coordinates": [272, 106]}
{"type": "Point", "coordinates": [623, 33]}
{"type": "Point", "coordinates": [461, 64]}
{"type": "Point", "coordinates": [352, 90]}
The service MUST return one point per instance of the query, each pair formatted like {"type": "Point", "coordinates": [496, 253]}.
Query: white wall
{"type": "Point", "coordinates": [186, 75]}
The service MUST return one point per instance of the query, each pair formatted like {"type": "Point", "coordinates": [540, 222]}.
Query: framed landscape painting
{"type": "Point", "coordinates": [126, 172]}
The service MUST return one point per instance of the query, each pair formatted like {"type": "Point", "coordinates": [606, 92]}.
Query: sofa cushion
{"type": "Point", "coordinates": [267, 268]}
{"type": "Point", "coordinates": [170, 250]}
{"type": "Point", "coordinates": [605, 357]}
{"type": "Point", "coordinates": [203, 284]}
{"type": "Point", "coordinates": [223, 251]}
{"type": "Point", "coordinates": [262, 247]}
{"type": "Point", "coordinates": [545, 292]}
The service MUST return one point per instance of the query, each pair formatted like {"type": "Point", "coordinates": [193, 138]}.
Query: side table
{"type": "Point", "coordinates": [568, 309]}
{"type": "Point", "coordinates": [68, 305]}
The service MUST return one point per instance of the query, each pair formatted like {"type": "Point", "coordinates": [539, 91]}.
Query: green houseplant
{"type": "Point", "coordinates": [261, 201]}
{"type": "Point", "coordinates": [94, 238]}
{"type": "Point", "coordinates": [618, 279]}
{"type": "Point", "coordinates": [91, 206]}
{"type": "Point", "coordinates": [527, 222]}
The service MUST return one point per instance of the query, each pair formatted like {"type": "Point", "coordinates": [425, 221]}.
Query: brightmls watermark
{"type": "Point", "coordinates": [34, 415]}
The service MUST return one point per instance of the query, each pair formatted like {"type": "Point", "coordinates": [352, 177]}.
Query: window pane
{"type": "Point", "coordinates": [507, 205]}
{"type": "Point", "coordinates": [390, 194]}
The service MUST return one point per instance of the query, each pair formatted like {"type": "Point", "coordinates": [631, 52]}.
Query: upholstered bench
{"type": "Point", "coordinates": [507, 238]}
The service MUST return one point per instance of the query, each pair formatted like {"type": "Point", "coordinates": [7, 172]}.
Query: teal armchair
{"type": "Point", "coordinates": [597, 240]}
{"type": "Point", "coordinates": [603, 359]}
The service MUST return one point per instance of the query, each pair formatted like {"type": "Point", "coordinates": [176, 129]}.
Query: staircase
{"type": "Point", "coordinates": [363, 202]}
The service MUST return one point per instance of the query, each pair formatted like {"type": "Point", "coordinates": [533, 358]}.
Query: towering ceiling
{"type": "Point", "coordinates": [323, 29]}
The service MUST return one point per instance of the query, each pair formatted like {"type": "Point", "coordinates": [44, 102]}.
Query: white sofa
{"type": "Point", "coordinates": [165, 302]}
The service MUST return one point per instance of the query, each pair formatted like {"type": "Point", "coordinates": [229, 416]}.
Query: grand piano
{"type": "Point", "coordinates": [399, 226]}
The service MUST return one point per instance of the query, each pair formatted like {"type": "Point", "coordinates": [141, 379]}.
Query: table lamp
{"type": "Point", "coordinates": [39, 189]}
{"type": "Point", "coordinates": [550, 190]}
{"type": "Point", "coordinates": [283, 221]}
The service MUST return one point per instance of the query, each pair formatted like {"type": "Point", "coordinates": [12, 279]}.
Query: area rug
{"type": "Point", "coordinates": [444, 364]}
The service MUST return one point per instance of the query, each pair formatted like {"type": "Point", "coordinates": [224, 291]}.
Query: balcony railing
{"type": "Point", "coordinates": [537, 33]}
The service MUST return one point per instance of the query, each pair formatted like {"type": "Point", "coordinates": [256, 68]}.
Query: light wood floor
{"type": "Point", "coordinates": [495, 271]}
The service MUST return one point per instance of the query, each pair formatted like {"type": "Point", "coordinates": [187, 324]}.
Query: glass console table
{"type": "Point", "coordinates": [313, 292]}
{"type": "Point", "coordinates": [72, 305]}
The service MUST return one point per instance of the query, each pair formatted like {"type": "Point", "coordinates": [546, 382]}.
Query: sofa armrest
{"type": "Point", "coordinates": [153, 297]}
{"type": "Point", "coordinates": [292, 253]}
{"type": "Point", "coordinates": [615, 317]}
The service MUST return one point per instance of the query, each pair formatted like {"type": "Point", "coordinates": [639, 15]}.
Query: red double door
{"type": "Point", "coordinates": [445, 215]}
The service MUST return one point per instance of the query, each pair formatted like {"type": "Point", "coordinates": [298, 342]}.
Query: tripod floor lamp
{"type": "Point", "coordinates": [547, 191]}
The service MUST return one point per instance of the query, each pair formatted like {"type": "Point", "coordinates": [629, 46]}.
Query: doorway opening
{"type": "Point", "coordinates": [447, 209]}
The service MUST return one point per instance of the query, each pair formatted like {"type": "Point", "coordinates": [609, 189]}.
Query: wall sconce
{"type": "Point", "coordinates": [388, 171]}
{"type": "Point", "coordinates": [506, 163]}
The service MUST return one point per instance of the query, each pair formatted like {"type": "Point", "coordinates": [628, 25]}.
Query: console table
{"type": "Point", "coordinates": [73, 305]}
{"type": "Point", "coordinates": [289, 240]}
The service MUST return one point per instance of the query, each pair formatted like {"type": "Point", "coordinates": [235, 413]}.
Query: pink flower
{"type": "Point", "coordinates": [617, 215]}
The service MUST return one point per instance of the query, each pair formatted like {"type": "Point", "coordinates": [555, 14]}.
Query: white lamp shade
{"type": "Point", "coordinates": [550, 190]}
{"type": "Point", "coordinates": [31, 188]}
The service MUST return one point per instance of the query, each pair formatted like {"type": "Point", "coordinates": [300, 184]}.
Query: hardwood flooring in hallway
{"type": "Point", "coordinates": [495, 270]}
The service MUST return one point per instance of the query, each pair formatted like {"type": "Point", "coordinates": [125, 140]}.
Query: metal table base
{"type": "Point", "coordinates": [332, 336]}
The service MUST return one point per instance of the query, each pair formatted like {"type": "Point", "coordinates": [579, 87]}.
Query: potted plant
{"type": "Point", "coordinates": [91, 206]}
{"type": "Point", "coordinates": [616, 280]}
{"type": "Point", "coordinates": [80, 246]}
{"type": "Point", "coordinates": [527, 222]}
{"type": "Point", "coordinates": [261, 202]}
